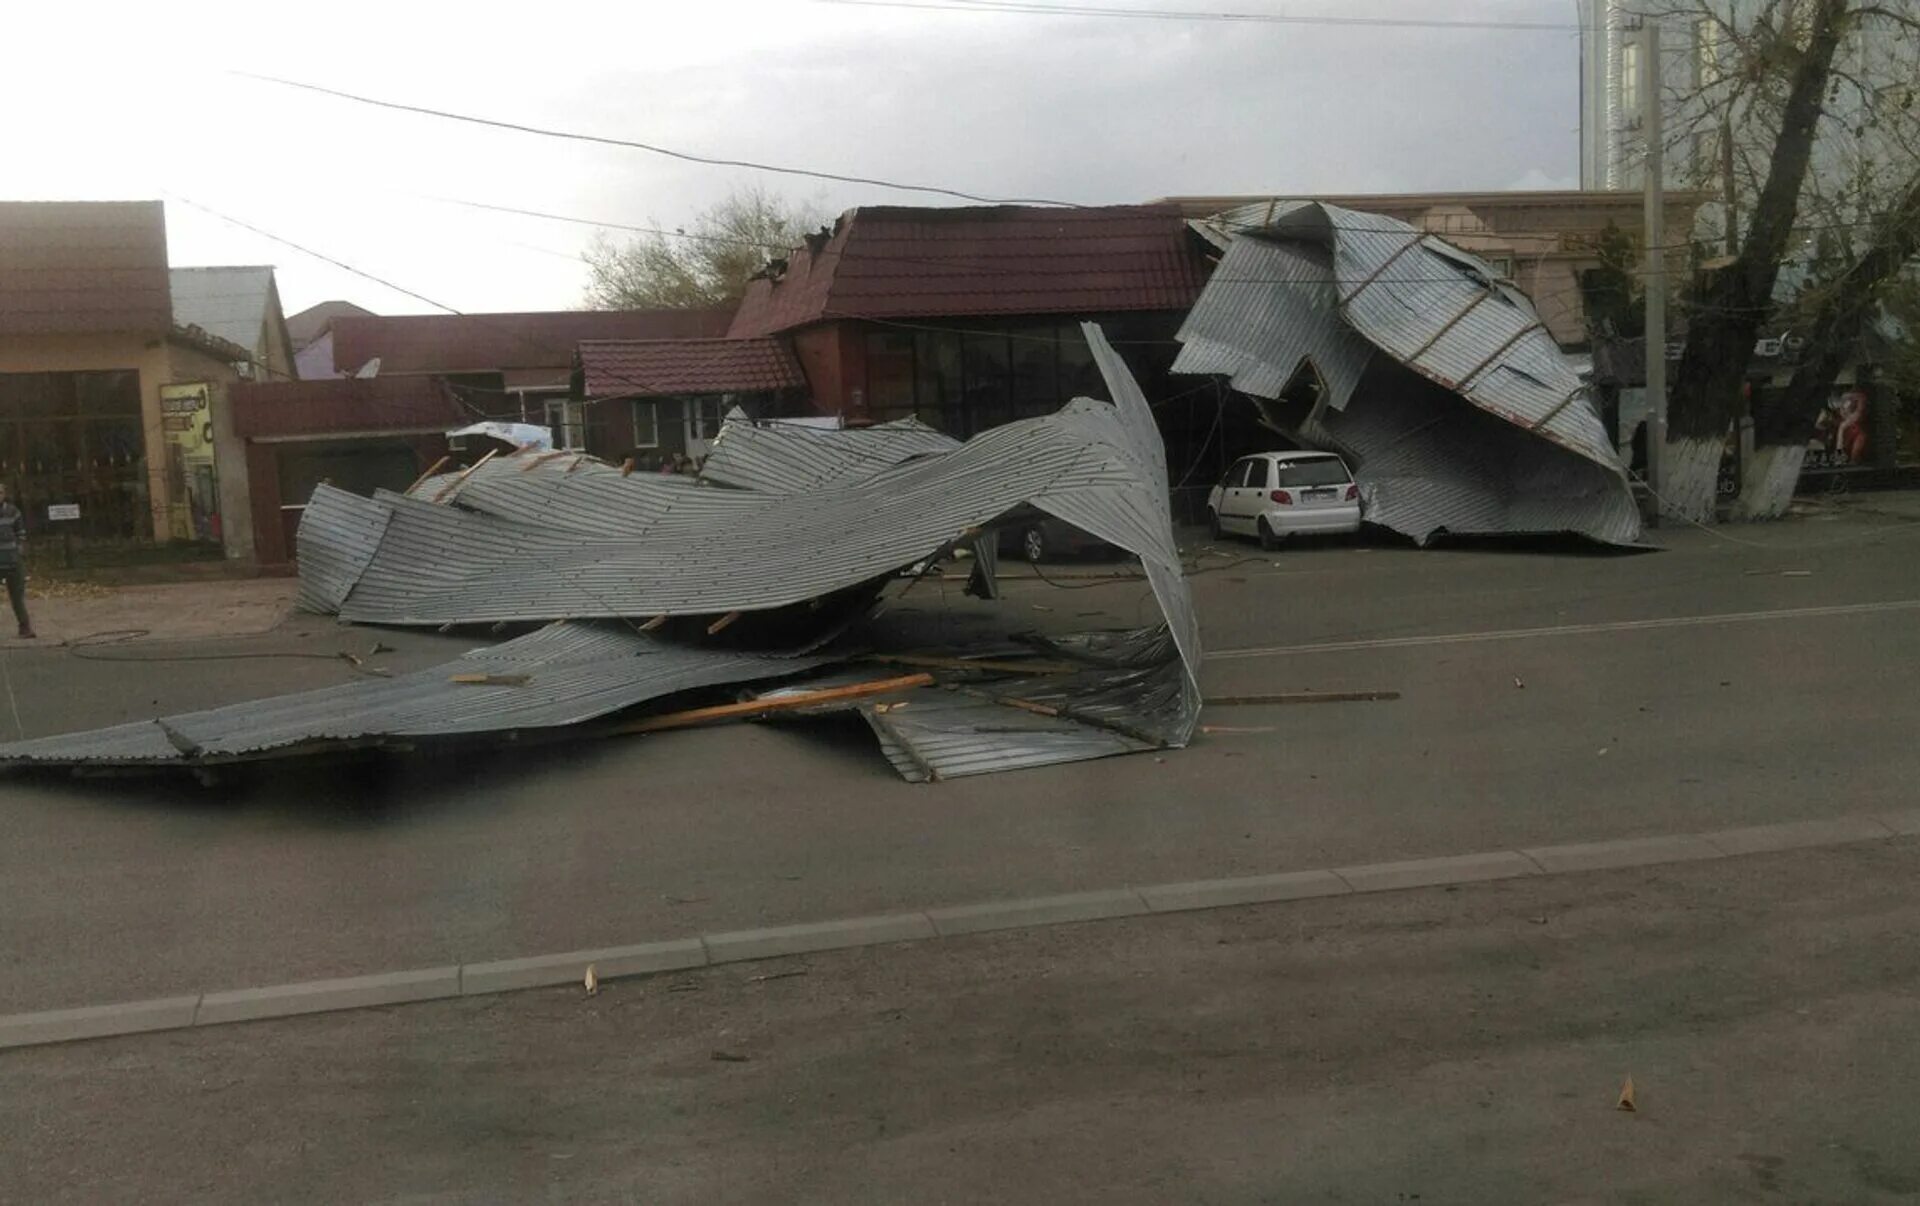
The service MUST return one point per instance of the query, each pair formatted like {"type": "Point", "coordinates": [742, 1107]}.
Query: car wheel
{"type": "Point", "coordinates": [1033, 544]}
{"type": "Point", "coordinates": [1269, 539]}
{"type": "Point", "coordinates": [1213, 524]}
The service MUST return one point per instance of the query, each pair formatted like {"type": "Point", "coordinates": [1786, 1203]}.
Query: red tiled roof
{"type": "Point", "coordinates": [76, 267]}
{"type": "Point", "coordinates": [342, 404]}
{"type": "Point", "coordinates": [473, 343]}
{"type": "Point", "coordinates": [654, 367]}
{"type": "Point", "coordinates": [905, 262]}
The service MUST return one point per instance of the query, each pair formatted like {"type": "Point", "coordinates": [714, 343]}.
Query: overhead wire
{"type": "Point", "coordinates": [651, 148]}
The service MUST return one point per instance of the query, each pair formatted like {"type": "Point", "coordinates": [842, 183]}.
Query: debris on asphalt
{"type": "Point", "coordinates": [1418, 362]}
{"type": "Point", "coordinates": [1626, 1097]}
{"type": "Point", "coordinates": [779, 975]}
{"type": "Point", "coordinates": [592, 980]}
{"type": "Point", "coordinates": [1303, 697]}
{"type": "Point", "coordinates": [663, 602]}
{"type": "Point", "coordinates": [729, 1057]}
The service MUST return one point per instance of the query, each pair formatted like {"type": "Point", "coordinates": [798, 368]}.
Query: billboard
{"type": "Point", "coordinates": [193, 483]}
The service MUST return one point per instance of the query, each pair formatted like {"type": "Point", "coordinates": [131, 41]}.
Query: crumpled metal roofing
{"type": "Point", "coordinates": [575, 673]}
{"type": "Point", "coordinates": [784, 458]}
{"type": "Point", "coordinates": [1306, 283]}
{"type": "Point", "coordinates": [661, 547]}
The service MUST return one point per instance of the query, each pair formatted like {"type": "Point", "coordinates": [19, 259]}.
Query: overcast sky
{"type": "Point", "coordinates": [1072, 108]}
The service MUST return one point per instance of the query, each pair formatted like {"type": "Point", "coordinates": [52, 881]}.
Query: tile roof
{"type": "Point", "coordinates": [234, 303]}
{"type": "Point", "coordinates": [654, 367]}
{"type": "Point", "coordinates": [77, 267]}
{"type": "Point", "coordinates": [469, 343]}
{"type": "Point", "coordinates": [905, 262]}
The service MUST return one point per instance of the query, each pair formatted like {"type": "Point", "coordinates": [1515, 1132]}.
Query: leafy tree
{"type": "Point", "coordinates": [706, 264]}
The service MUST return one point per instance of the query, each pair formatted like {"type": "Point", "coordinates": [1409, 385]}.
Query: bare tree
{"type": "Point", "coordinates": [706, 264]}
{"type": "Point", "coordinates": [1798, 117]}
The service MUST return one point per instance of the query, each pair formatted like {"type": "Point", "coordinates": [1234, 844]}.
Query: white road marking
{"type": "Point", "coordinates": [1522, 634]}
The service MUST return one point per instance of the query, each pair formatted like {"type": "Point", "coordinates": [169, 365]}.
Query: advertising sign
{"type": "Point", "coordinates": [193, 486]}
{"type": "Point", "coordinates": [1841, 438]}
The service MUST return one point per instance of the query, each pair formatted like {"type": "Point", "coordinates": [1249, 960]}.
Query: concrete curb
{"type": "Point", "coordinates": [509, 975]}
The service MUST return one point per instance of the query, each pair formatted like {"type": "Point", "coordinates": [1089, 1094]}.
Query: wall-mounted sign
{"type": "Point", "coordinates": [59, 511]}
{"type": "Point", "coordinates": [193, 486]}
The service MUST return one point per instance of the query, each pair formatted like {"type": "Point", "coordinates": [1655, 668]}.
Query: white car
{"type": "Point", "coordinates": [1274, 495]}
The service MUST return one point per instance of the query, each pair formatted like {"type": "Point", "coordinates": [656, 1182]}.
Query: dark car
{"type": "Point", "coordinates": [1048, 539]}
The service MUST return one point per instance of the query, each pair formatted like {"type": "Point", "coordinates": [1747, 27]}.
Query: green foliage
{"type": "Point", "coordinates": [707, 264]}
{"type": "Point", "coordinates": [1616, 304]}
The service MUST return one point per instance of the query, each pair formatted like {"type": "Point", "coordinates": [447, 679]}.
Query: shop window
{"type": "Point", "coordinates": [1035, 371]}
{"type": "Point", "coordinates": [987, 367]}
{"type": "Point", "coordinates": [937, 381]}
{"type": "Point", "coordinates": [890, 375]}
{"type": "Point", "coordinates": [76, 438]}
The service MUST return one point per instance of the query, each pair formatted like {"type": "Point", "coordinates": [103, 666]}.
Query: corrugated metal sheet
{"type": "Point", "coordinates": [693, 550]}
{"type": "Point", "coordinates": [338, 535]}
{"type": "Point", "coordinates": [230, 302]}
{"type": "Point", "coordinates": [783, 458]}
{"type": "Point", "coordinates": [1267, 309]}
{"type": "Point", "coordinates": [1545, 465]}
{"type": "Point", "coordinates": [575, 673]}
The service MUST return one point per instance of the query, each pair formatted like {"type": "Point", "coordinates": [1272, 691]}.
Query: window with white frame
{"type": "Point", "coordinates": [646, 423]}
{"type": "Point", "coordinates": [567, 423]}
{"type": "Point", "coordinates": [704, 416]}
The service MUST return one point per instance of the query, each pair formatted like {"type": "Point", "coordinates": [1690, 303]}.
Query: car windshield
{"type": "Point", "coordinates": [1320, 471]}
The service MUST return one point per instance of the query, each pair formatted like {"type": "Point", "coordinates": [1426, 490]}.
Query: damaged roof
{"type": "Point", "coordinates": [918, 262]}
{"type": "Point", "coordinates": [1311, 292]}
{"type": "Point", "coordinates": [644, 368]}
{"type": "Point", "coordinates": [561, 536]}
{"type": "Point", "coordinates": [788, 458]}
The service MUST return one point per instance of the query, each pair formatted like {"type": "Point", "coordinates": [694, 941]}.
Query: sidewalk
{"type": "Point", "coordinates": [66, 611]}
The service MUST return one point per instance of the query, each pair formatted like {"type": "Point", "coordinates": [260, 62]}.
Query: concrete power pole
{"type": "Point", "coordinates": [1655, 286]}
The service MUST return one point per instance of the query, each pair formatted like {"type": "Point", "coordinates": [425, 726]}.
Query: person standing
{"type": "Point", "coordinates": [13, 548]}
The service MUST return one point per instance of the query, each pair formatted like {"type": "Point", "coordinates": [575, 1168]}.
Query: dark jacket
{"type": "Point", "coordinates": [13, 533]}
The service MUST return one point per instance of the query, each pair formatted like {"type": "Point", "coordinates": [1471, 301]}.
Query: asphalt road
{"type": "Point", "coordinates": [116, 890]}
{"type": "Point", "coordinates": [1433, 1046]}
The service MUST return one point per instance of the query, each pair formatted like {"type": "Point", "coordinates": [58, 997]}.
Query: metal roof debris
{"type": "Point", "coordinates": [662, 586]}
{"type": "Point", "coordinates": [1369, 336]}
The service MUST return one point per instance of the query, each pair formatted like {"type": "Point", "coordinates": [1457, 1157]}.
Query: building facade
{"type": "Point", "coordinates": [113, 411]}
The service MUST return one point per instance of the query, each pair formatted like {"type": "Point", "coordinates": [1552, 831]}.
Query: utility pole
{"type": "Point", "coordinates": [1655, 285]}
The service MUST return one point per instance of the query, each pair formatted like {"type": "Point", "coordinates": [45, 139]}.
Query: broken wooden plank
{"type": "Point", "coordinates": [753, 708]}
{"type": "Point", "coordinates": [1301, 697]}
{"type": "Point", "coordinates": [626, 467]}
{"type": "Point", "coordinates": [655, 622]}
{"type": "Point", "coordinates": [491, 680]}
{"type": "Point", "coordinates": [431, 470]}
{"type": "Point", "coordinates": [721, 624]}
{"type": "Point", "coordinates": [456, 483]}
{"type": "Point", "coordinates": [543, 458]}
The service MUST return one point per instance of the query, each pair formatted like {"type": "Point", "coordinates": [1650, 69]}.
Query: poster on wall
{"type": "Point", "coordinates": [193, 485]}
{"type": "Point", "coordinates": [1840, 435]}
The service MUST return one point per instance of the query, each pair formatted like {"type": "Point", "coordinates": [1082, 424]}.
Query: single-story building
{"type": "Point", "coordinates": [652, 400]}
{"type": "Point", "coordinates": [112, 399]}
{"type": "Point", "coordinates": [513, 367]}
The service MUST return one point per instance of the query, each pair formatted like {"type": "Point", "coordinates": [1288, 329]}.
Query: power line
{"type": "Point", "coordinates": [651, 148]}
{"type": "Point", "coordinates": [285, 242]}
{"type": "Point", "coordinates": [1033, 8]}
